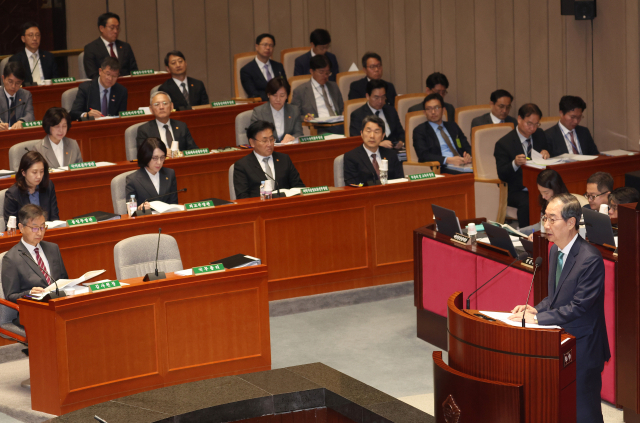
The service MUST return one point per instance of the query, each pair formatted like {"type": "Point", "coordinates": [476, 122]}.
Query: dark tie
{"type": "Point", "coordinates": [168, 136]}
{"type": "Point", "coordinates": [374, 162]}
{"type": "Point", "coordinates": [12, 114]}
{"type": "Point", "coordinates": [527, 145]}
{"type": "Point", "coordinates": [104, 108]}
{"type": "Point", "coordinates": [113, 54]}
{"type": "Point", "coordinates": [573, 143]}
{"type": "Point", "coordinates": [559, 266]}
{"type": "Point", "coordinates": [447, 141]}
{"type": "Point", "coordinates": [326, 102]}
{"type": "Point", "coordinates": [185, 93]}
{"type": "Point", "coordinates": [378, 113]}
{"type": "Point", "coordinates": [42, 268]}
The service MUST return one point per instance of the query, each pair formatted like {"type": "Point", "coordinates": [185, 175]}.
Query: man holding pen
{"type": "Point", "coordinates": [512, 152]}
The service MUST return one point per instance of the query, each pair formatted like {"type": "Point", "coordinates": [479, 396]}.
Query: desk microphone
{"type": "Point", "coordinates": [157, 275]}
{"type": "Point", "coordinates": [522, 256]}
{"type": "Point", "coordinates": [277, 187]}
{"type": "Point", "coordinates": [145, 212]}
{"type": "Point", "coordinates": [538, 263]}
{"type": "Point", "coordinates": [44, 270]}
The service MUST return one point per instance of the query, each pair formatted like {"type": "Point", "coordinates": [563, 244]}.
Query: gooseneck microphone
{"type": "Point", "coordinates": [537, 264]}
{"type": "Point", "coordinates": [157, 275]}
{"type": "Point", "coordinates": [522, 256]}
{"type": "Point", "coordinates": [44, 270]}
{"type": "Point", "coordinates": [144, 211]}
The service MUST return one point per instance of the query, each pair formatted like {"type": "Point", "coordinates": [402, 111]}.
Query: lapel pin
{"type": "Point", "coordinates": [177, 127]}
{"type": "Point", "coordinates": [289, 117]}
{"type": "Point", "coordinates": [167, 177]}
{"type": "Point", "coordinates": [192, 85]}
{"type": "Point", "coordinates": [277, 160]}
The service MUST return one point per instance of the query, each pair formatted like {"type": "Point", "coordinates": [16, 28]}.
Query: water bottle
{"type": "Point", "coordinates": [268, 189]}
{"type": "Point", "coordinates": [133, 204]}
{"type": "Point", "coordinates": [472, 232]}
{"type": "Point", "coordinates": [384, 171]}
{"type": "Point", "coordinates": [11, 226]}
{"type": "Point", "coordinates": [262, 191]}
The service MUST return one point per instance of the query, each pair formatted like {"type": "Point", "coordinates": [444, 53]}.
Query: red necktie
{"type": "Point", "coordinates": [42, 268]}
{"type": "Point", "coordinates": [573, 143]}
{"type": "Point", "coordinates": [374, 161]}
{"type": "Point", "coordinates": [113, 54]}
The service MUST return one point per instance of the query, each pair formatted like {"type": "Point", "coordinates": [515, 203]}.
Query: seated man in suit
{"type": "Point", "coordinates": [108, 45]}
{"type": "Point", "coordinates": [255, 74]}
{"type": "Point", "coordinates": [599, 186]}
{"type": "Point", "coordinates": [163, 127]}
{"type": "Point", "coordinates": [437, 83]}
{"type": "Point", "coordinates": [28, 266]}
{"type": "Point", "coordinates": [568, 136]}
{"type": "Point", "coordinates": [102, 96]}
{"type": "Point", "coordinates": [376, 105]}
{"type": "Point", "coordinates": [285, 117]}
{"type": "Point", "coordinates": [439, 141]}
{"type": "Point", "coordinates": [362, 164]}
{"type": "Point", "coordinates": [511, 153]}
{"type": "Point", "coordinates": [320, 40]}
{"type": "Point", "coordinates": [575, 301]}
{"type": "Point", "coordinates": [500, 107]}
{"type": "Point", "coordinates": [372, 65]}
{"type": "Point", "coordinates": [319, 97]}
{"type": "Point", "coordinates": [184, 90]}
{"type": "Point", "coordinates": [40, 64]}
{"type": "Point", "coordinates": [263, 164]}
{"type": "Point", "coordinates": [17, 106]}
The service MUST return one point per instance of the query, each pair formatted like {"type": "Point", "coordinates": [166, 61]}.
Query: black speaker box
{"type": "Point", "coordinates": [567, 7]}
{"type": "Point", "coordinates": [585, 10]}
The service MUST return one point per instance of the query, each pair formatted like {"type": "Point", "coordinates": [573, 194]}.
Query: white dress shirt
{"type": "Point", "coordinates": [155, 179]}
{"type": "Point", "coordinates": [9, 97]}
{"type": "Point", "coordinates": [32, 62]}
{"type": "Point", "coordinates": [179, 84]}
{"type": "Point", "coordinates": [567, 139]}
{"type": "Point", "coordinates": [58, 150]}
{"type": "Point", "coordinates": [273, 170]}
{"type": "Point", "coordinates": [32, 251]}
{"type": "Point", "coordinates": [567, 248]}
{"type": "Point", "coordinates": [262, 65]}
{"type": "Point", "coordinates": [278, 120]}
{"type": "Point", "coordinates": [381, 115]}
{"type": "Point", "coordinates": [312, 53]}
{"type": "Point", "coordinates": [163, 132]}
{"type": "Point", "coordinates": [369, 153]}
{"type": "Point", "coordinates": [495, 119]}
{"type": "Point", "coordinates": [323, 112]}
{"type": "Point", "coordinates": [106, 44]}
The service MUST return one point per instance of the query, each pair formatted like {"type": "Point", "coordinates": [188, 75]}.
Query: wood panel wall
{"type": "Point", "coordinates": [524, 46]}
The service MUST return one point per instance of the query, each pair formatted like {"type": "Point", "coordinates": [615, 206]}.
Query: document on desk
{"type": "Point", "coordinates": [68, 283]}
{"type": "Point", "coordinates": [330, 119]}
{"type": "Point", "coordinates": [616, 153]}
{"type": "Point", "coordinates": [503, 317]}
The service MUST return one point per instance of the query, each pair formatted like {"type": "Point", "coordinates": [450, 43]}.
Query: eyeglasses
{"type": "Point", "coordinates": [375, 67]}
{"type": "Point", "coordinates": [267, 45]}
{"type": "Point", "coordinates": [271, 140]}
{"type": "Point", "coordinates": [432, 109]}
{"type": "Point", "coordinates": [546, 219]}
{"type": "Point", "coordinates": [379, 97]}
{"type": "Point", "coordinates": [33, 35]}
{"type": "Point", "coordinates": [323, 72]}
{"type": "Point", "coordinates": [113, 27]}
{"type": "Point", "coordinates": [164, 103]}
{"type": "Point", "coordinates": [442, 93]}
{"type": "Point", "coordinates": [532, 125]}
{"type": "Point", "coordinates": [502, 106]}
{"type": "Point", "coordinates": [36, 229]}
{"type": "Point", "coordinates": [593, 197]}
{"type": "Point", "coordinates": [613, 207]}
{"type": "Point", "coordinates": [158, 159]}
{"type": "Point", "coordinates": [12, 82]}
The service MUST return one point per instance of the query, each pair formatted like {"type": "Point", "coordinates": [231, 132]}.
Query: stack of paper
{"type": "Point", "coordinates": [616, 153]}
{"type": "Point", "coordinates": [330, 119]}
{"type": "Point", "coordinates": [68, 283]}
{"type": "Point", "coordinates": [503, 317]}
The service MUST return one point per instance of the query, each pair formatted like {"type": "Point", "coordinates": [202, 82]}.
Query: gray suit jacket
{"type": "Point", "coordinates": [486, 120]}
{"type": "Point", "coordinates": [292, 119]}
{"type": "Point", "coordinates": [24, 109]}
{"type": "Point", "coordinates": [70, 148]}
{"type": "Point", "coordinates": [305, 99]}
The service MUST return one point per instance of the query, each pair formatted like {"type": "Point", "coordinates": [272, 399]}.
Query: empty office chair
{"type": "Point", "coordinates": [412, 166]}
{"type": "Point", "coordinates": [136, 256]}
{"type": "Point", "coordinates": [2, 222]}
{"type": "Point", "coordinates": [242, 123]}
{"type": "Point", "coordinates": [8, 312]}
{"type": "Point", "coordinates": [3, 63]}
{"type": "Point", "coordinates": [344, 80]}
{"type": "Point", "coordinates": [465, 115]}
{"type": "Point", "coordinates": [295, 82]}
{"type": "Point", "coordinates": [17, 151]}
{"type": "Point", "coordinates": [68, 97]}
{"type": "Point", "coordinates": [81, 73]}
{"type": "Point", "coordinates": [239, 60]}
{"type": "Point", "coordinates": [130, 143]}
{"type": "Point", "coordinates": [154, 90]}
{"type": "Point", "coordinates": [288, 58]}
{"type": "Point", "coordinates": [548, 122]}
{"type": "Point", "coordinates": [338, 171]}
{"type": "Point", "coordinates": [232, 191]}
{"type": "Point", "coordinates": [349, 107]}
{"type": "Point", "coordinates": [118, 193]}
{"type": "Point", "coordinates": [406, 101]}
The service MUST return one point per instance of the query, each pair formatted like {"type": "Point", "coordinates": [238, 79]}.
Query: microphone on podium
{"type": "Point", "coordinates": [522, 256]}
{"type": "Point", "coordinates": [537, 264]}
{"type": "Point", "coordinates": [156, 275]}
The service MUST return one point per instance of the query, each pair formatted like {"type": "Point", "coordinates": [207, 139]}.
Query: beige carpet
{"type": "Point", "coordinates": [16, 400]}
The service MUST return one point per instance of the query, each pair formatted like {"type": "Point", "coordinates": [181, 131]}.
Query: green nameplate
{"type": "Point", "coordinates": [83, 165]}
{"type": "Point", "coordinates": [199, 205]}
{"type": "Point", "coordinates": [142, 72]}
{"type": "Point", "coordinates": [420, 176]}
{"type": "Point", "coordinates": [63, 80]}
{"type": "Point", "coordinates": [196, 152]}
{"type": "Point", "coordinates": [223, 103]}
{"type": "Point", "coordinates": [31, 124]}
{"type": "Point", "coordinates": [312, 138]}
{"type": "Point", "coordinates": [101, 286]}
{"type": "Point", "coordinates": [314, 190]}
{"type": "Point", "coordinates": [212, 268]}
{"type": "Point", "coordinates": [82, 221]}
{"type": "Point", "coordinates": [131, 113]}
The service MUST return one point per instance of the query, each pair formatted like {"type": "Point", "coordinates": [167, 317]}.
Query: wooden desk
{"type": "Point", "coordinates": [90, 348]}
{"type": "Point", "coordinates": [575, 176]}
{"type": "Point", "coordinates": [344, 239]}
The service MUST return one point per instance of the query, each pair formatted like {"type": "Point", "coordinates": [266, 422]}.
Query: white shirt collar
{"type": "Point", "coordinates": [277, 112]}
{"type": "Point", "coordinates": [374, 110]}
{"type": "Point", "coordinates": [522, 137]}
{"type": "Point", "coordinates": [31, 248]}
{"type": "Point", "coordinates": [106, 43]}
{"type": "Point", "coordinates": [494, 119]}
{"type": "Point", "coordinates": [29, 54]}
{"type": "Point", "coordinates": [564, 130]}
{"type": "Point", "coordinates": [58, 149]}
{"type": "Point", "coordinates": [178, 83]}
{"type": "Point", "coordinates": [317, 86]}
{"type": "Point", "coordinates": [312, 53]}
{"type": "Point", "coordinates": [568, 247]}
{"type": "Point", "coordinates": [9, 96]}
{"type": "Point", "coordinates": [262, 65]}
{"type": "Point", "coordinates": [155, 179]}
{"type": "Point", "coordinates": [261, 158]}
{"type": "Point", "coordinates": [369, 153]}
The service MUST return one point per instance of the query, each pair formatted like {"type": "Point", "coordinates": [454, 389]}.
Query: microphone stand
{"type": "Point", "coordinates": [277, 187]}
{"type": "Point", "coordinates": [521, 256]}
{"type": "Point", "coordinates": [538, 262]}
{"type": "Point", "coordinates": [156, 275]}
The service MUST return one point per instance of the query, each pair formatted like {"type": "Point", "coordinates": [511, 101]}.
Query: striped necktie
{"type": "Point", "coordinates": [41, 265]}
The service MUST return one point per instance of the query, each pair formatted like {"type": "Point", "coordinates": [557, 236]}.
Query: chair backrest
{"type": "Point", "coordinates": [154, 90]}
{"type": "Point", "coordinates": [580, 197]}
{"type": "Point", "coordinates": [232, 190]}
{"type": "Point", "coordinates": [242, 123]}
{"type": "Point", "coordinates": [3, 63]}
{"type": "Point", "coordinates": [405, 101]}
{"type": "Point", "coordinates": [412, 120]}
{"type": "Point", "coordinates": [130, 143]}
{"type": "Point", "coordinates": [288, 58]}
{"type": "Point", "coordinates": [68, 97]}
{"type": "Point", "coordinates": [81, 73]}
{"type": "Point", "coordinates": [349, 107]}
{"type": "Point", "coordinates": [548, 122]}
{"type": "Point", "coordinates": [239, 60]}
{"type": "Point", "coordinates": [338, 171]}
{"type": "Point", "coordinates": [6, 314]}
{"type": "Point", "coordinates": [136, 256]}
{"type": "Point", "coordinates": [295, 82]}
{"type": "Point", "coordinates": [18, 150]}
{"type": "Point", "coordinates": [344, 80]}
{"type": "Point", "coordinates": [485, 138]}
{"type": "Point", "coordinates": [464, 116]}
{"type": "Point", "coordinates": [118, 193]}
{"type": "Point", "coordinates": [2, 222]}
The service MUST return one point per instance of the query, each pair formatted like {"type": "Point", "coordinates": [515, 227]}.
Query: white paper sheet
{"type": "Point", "coordinates": [615, 153]}
{"type": "Point", "coordinates": [503, 317]}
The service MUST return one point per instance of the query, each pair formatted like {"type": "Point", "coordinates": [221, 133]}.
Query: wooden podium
{"type": "Point", "coordinates": [501, 373]}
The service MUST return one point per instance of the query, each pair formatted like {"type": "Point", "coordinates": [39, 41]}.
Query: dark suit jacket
{"type": "Point", "coordinates": [89, 97]}
{"type": "Point", "coordinates": [248, 174]}
{"type": "Point", "coordinates": [558, 146]}
{"type": "Point", "coordinates": [47, 61]}
{"type": "Point", "coordinates": [506, 150]}
{"type": "Point", "coordinates": [451, 111]}
{"type": "Point", "coordinates": [486, 120]}
{"type": "Point", "coordinates": [578, 303]}
{"type": "Point", "coordinates": [20, 274]}
{"type": "Point", "coordinates": [390, 114]}
{"type": "Point", "coordinates": [254, 82]}
{"type": "Point", "coordinates": [23, 101]}
{"type": "Point", "coordinates": [197, 93]}
{"type": "Point", "coordinates": [358, 168]}
{"type": "Point", "coordinates": [427, 146]}
{"type": "Point", "coordinates": [358, 89]}
{"type": "Point", "coordinates": [14, 199]}
{"type": "Point", "coordinates": [140, 185]}
{"type": "Point", "coordinates": [302, 65]}
{"type": "Point", "coordinates": [180, 133]}
{"type": "Point", "coordinates": [95, 52]}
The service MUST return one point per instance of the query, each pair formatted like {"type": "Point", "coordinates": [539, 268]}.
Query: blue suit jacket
{"type": "Point", "coordinates": [577, 305]}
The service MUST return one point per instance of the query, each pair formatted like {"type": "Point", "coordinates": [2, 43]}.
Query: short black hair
{"type": "Point", "coordinates": [498, 94]}
{"type": "Point", "coordinates": [319, 61]}
{"type": "Point", "coordinates": [259, 126]}
{"type": "Point", "coordinates": [375, 84]}
{"type": "Point", "coordinates": [28, 25]}
{"type": "Point", "coordinates": [102, 19]}
{"type": "Point", "coordinates": [15, 69]}
{"type": "Point", "coordinates": [320, 37]}
{"type": "Point", "coordinates": [265, 35]}
{"type": "Point", "coordinates": [375, 119]}
{"type": "Point", "coordinates": [29, 159]}
{"type": "Point", "coordinates": [173, 53]}
{"type": "Point", "coordinates": [570, 208]}
{"type": "Point", "coordinates": [29, 212]}
{"type": "Point", "coordinates": [570, 102]}
{"type": "Point", "coordinates": [529, 109]}
{"type": "Point", "coordinates": [624, 195]}
{"type": "Point", "coordinates": [146, 149]}
{"type": "Point", "coordinates": [604, 181]}
{"type": "Point", "coordinates": [370, 55]}
{"type": "Point", "coordinates": [111, 62]}
{"type": "Point", "coordinates": [53, 117]}
{"type": "Point", "coordinates": [435, 79]}
{"type": "Point", "coordinates": [275, 84]}
{"type": "Point", "coordinates": [433, 96]}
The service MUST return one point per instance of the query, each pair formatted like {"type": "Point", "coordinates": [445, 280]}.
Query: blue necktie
{"type": "Point", "coordinates": [105, 103]}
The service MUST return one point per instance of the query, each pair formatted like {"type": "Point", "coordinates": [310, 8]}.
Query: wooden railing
{"type": "Point", "coordinates": [59, 53]}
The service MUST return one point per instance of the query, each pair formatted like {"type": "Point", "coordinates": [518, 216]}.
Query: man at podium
{"type": "Point", "coordinates": [575, 301]}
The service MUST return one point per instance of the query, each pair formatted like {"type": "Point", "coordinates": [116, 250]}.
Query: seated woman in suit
{"type": "Point", "coordinates": [152, 180]}
{"type": "Point", "coordinates": [285, 117]}
{"type": "Point", "coordinates": [32, 187]}
{"type": "Point", "coordinates": [56, 148]}
{"type": "Point", "coordinates": [550, 184]}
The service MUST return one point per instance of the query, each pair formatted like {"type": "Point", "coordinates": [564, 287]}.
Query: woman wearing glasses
{"type": "Point", "coordinates": [32, 187]}
{"type": "Point", "coordinates": [550, 184]}
{"type": "Point", "coordinates": [152, 179]}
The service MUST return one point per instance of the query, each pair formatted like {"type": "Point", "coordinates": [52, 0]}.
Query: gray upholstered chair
{"type": "Point", "coordinates": [68, 97]}
{"type": "Point", "coordinates": [81, 73]}
{"type": "Point", "coordinates": [8, 312]}
{"type": "Point", "coordinates": [154, 90]}
{"type": "Point", "coordinates": [338, 171]}
{"type": "Point", "coordinates": [136, 256]}
{"type": "Point", "coordinates": [130, 144]}
{"type": "Point", "coordinates": [232, 190]}
{"type": "Point", "coordinates": [2, 222]}
{"type": "Point", "coordinates": [118, 192]}
{"type": "Point", "coordinates": [243, 120]}
{"type": "Point", "coordinates": [18, 150]}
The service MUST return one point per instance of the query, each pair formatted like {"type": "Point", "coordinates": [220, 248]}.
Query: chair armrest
{"type": "Point", "coordinates": [247, 100]}
{"type": "Point", "coordinates": [490, 181]}
{"type": "Point", "coordinates": [417, 167]}
{"type": "Point", "coordinates": [9, 304]}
